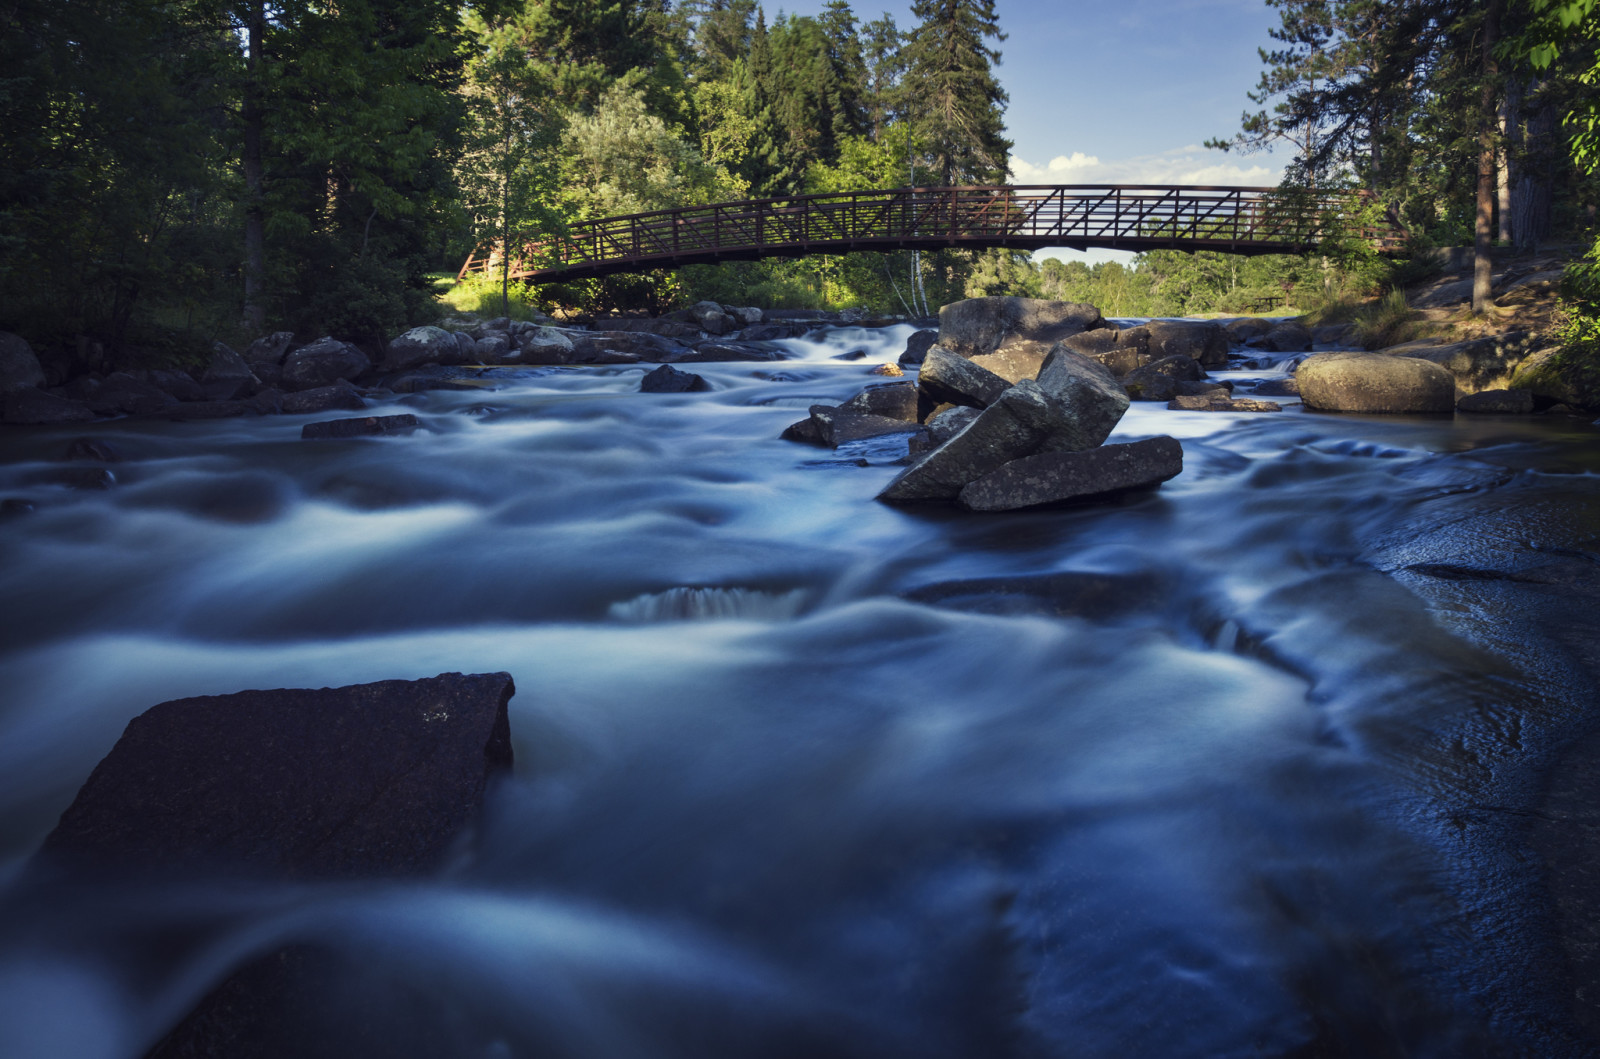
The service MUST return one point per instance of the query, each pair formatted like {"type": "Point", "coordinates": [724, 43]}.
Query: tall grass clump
{"type": "Point", "coordinates": [480, 295]}
{"type": "Point", "coordinates": [1388, 322]}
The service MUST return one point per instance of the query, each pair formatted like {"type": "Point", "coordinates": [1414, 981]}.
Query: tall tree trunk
{"type": "Point", "coordinates": [1532, 201]}
{"type": "Point", "coordinates": [255, 234]}
{"type": "Point", "coordinates": [1503, 169]}
{"type": "Point", "coordinates": [1483, 234]}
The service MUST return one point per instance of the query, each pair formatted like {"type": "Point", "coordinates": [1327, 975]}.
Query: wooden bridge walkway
{"type": "Point", "coordinates": [1236, 220]}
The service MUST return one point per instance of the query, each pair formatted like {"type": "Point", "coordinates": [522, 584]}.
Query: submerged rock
{"type": "Point", "coordinates": [363, 427]}
{"type": "Point", "coordinates": [1373, 382]}
{"type": "Point", "coordinates": [1057, 477]}
{"type": "Point", "coordinates": [667, 379]}
{"type": "Point", "coordinates": [896, 400]}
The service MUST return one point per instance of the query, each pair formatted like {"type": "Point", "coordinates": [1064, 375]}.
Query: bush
{"type": "Point", "coordinates": [1388, 322]}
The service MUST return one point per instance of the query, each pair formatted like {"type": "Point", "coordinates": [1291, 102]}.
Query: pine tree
{"type": "Point", "coordinates": [951, 94]}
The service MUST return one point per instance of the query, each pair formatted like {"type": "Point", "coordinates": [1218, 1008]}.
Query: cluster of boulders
{"type": "Point", "coordinates": [1513, 372]}
{"type": "Point", "coordinates": [1007, 414]}
{"type": "Point", "coordinates": [277, 374]}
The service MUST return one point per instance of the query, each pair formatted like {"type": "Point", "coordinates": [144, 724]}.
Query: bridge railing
{"type": "Point", "coordinates": [1249, 219]}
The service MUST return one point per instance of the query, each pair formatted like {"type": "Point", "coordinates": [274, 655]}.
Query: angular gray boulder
{"type": "Point", "coordinates": [543, 345]}
{"type": "Point", "coordinates": [837, 426]}
{"type": "Point", "coordinates": [979, 326]}
{"type": "Point", "coordinates": [949, 378]}
{"type": "Point", "coordinates": [1059, 477]}
{"type": "Point", "coordinates": [1373, 382]}
{"type": "Point", "coordinates": [1479, 364]}
{"type": "Point", "coordinates": [323, 363]}
{"type": "Point", "coordinates": [1090, 398]}
{"type": "Point", "coordinates": [419, 346]}
{"type": "Point", "coordinates": [894, 400]}
{"type": "Point", "coordinates": [917, 346]}
{"type": "Point", "coordinates": [341, 395]}
{"type": "Point", "coordinates": [1019, 422]}
{"type": "Point", "coordinates": [19, 366]}
{"type": "Point", "coordinates": [1291, 336]}
{"type": "Point", "coordinates": [265, 356]}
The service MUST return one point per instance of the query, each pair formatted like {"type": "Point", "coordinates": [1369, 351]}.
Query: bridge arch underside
{"type": "Point", "coordinates": [1137, 244]}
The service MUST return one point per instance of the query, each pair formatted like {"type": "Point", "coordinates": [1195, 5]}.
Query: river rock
{"type": "Point", "coordinates": [227, 375]}
{"type": "Point", "coordinates": [177, 384]}
{"type": "Point", "coordinates": [265, 356]}
{"type": "Point", "coordinates": [711, 352]}
{"type": "Point", "coordinates": [184, 411]}
{"type": "Point", "coordinates": [324, 362]}
{"type": "Point", "coordinates": [362, 427]}
{"type": "Point", "coordinates": [1018, 423]}
{"type": "Point", "coordinates": [1277, 388]}
{"type": "Point", "coordinates": [744, 315]}
{"type": "Point", "coordinates": [952, 421]}
{"type": "Point", "coordinates": [19, 365]}
{"type": "Point", "coordinates": [1291, 336]}
{"type": "Point", "coordinates": [807, 431]}
{"type": "Point", "coordinates": [1248, 330]}
{"type": "Point", "coordinates": [1372, 382]}
{"type": "Point", "coordinates": [1511, 402]}
{"type": "Point", "coordinates": [917, 346]}
{"type": "Point", "coordinates": [1199, 340]}
{"type": "Point", "coordinates": [588, 345]}
{"type": "Point", "coordinates": [948, 378]}
{"type": "Point", "coordinates": [31, 405]}
{"type": "Point", "coordinates": [1480, 364]}
{"type": "Point", "coordinates": [421, 345]}
{"type": "Point", "coordinates": [340, 395]}
{"type": "Point", "coordinates": [493, 348]}
{"type": "Point", "coordinates": [895, 400]}
{"type": "Point", "coordinates": [980, 326]}
{"type": "Point", "coordinates": [543, 345]}
{"type": "Point", "coordinates": [92, 449]}
{"type": "Point", "coordinates": [1203, 388]}
{"type": "Point", "coordinates": [667, 326]}
{"type": "Point", "coordinates": [773, 330]}
{"type": "Point", "coordinates": [121, 394]}
{"type": "Point", "coordinates": [1147, 385]}
{"type": "Point", "coordinates": [1057, 477]}
{"type": "Point", "coordinates": [370, 779]}
{"type": "Point", "coordinates": [1090, 398]}
{"type": "Point", "coordinates": [667, 379]}
{"type": "Point", "coordinates": [1121, 351]}
{"type": "Point", "coordinates": [1552, 377]}
{"type": "Point", "coordinates": [1333, 335]}
{"type": "Point", "coordinates": [711, 318]}
{"type": "Point", "coordinates": [1219, 401]}
{"type": "Point", "coordinates": [836, 426]}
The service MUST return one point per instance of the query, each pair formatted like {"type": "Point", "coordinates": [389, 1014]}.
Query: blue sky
{"type": "Point", "coordinates": [1121, 92]}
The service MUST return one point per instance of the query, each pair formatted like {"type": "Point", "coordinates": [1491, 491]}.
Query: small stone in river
{"type": "Point", "coordinates": [92, 449]}
{"type": "Point", "coordinates": [1278, 388]}
{"type": "Point", "coordinates": [667, 379]}
{"type": "Point", "coordinates": [355, 428]}
{"type": "Point", "coordinates": [887, 369]}
{"type": "Point", "coordinates": [854, 354]}
{"type": "Point", "coordinates": [1055, 477]}
{"type": "Point", "coordinates": [897, 400]}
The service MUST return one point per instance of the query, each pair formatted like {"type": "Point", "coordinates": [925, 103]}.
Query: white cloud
{"type": "Point", "coordinates": [1181, 165]}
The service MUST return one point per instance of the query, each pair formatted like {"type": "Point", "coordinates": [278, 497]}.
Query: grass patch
{"type": "Point", "coordinates": [1388, 322]}
{"type": "Point", "coordinates": [478, 295]}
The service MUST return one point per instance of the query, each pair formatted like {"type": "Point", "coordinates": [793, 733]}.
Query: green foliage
{"type": "Point", "coordinates": [951, 94]}
{"type": "Point", "coordinates": [1387, 322]}
{"type": "Point", "coordinates": [484, 295]}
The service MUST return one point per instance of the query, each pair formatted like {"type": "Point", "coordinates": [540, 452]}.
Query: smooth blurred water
{"type": "Point", "coordinates": [800, 773]}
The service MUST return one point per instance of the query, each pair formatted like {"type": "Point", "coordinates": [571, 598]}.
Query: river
{"type": "Point", "coordinates": [1239, 768]}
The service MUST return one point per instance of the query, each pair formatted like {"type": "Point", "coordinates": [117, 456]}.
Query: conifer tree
{"type": "Point", "coordinates": [951, 94]}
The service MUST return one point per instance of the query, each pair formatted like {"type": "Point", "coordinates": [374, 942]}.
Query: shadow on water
{"type": "Point", "coordinates": [1242, 767]}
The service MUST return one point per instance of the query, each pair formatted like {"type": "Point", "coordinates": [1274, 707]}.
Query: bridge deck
{"type": "Point", "coordinates": [1238, 220]}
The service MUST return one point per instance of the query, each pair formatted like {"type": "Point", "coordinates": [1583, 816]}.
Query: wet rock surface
{"type": "Point", "coordinates": [1061, 477]}
{"type": "Point", "coordinates": [367, 426]}
{"type": "Point", "coordinates": [667, 379]}
{"type": "Point", "coordinates": [948, 378]}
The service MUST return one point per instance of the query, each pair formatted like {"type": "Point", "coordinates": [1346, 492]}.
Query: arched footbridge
{"type": "Point", "coordinates": [1236, 220]}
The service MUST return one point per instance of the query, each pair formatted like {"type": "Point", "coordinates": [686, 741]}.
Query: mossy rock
{"type": "Point", "coordinates": [1561, 376]}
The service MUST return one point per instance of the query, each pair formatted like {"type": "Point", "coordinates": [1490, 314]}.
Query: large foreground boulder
{"type": "Point", "coordinates": [370, 779]}
{"type": "Point", "coordinates": [1017, 424]}
{"type": "Point", "coordinates": [19, 366]}
{"type": "Point", "coordinates": [1026, 326]}
{"type": "Point", "coordinates": [291, 785]}
{"type": "Point", "coordinates": [1059, 477]}
{"type": "Point", "coordinates": [1373, 382]}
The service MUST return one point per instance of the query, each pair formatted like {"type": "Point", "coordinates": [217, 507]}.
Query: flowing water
{"type": "Point", "coordinates": [1232, 769]}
